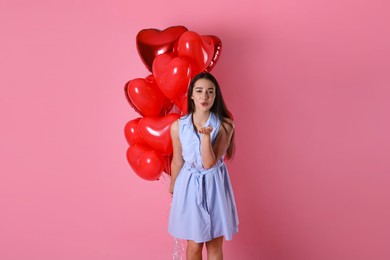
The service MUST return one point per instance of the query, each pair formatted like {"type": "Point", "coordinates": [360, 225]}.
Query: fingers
{"type": "Point", "coordinates": [206, 130]}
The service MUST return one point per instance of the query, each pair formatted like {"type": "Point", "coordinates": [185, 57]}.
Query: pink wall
{"type": "Point", "coordinates": [308, 84]}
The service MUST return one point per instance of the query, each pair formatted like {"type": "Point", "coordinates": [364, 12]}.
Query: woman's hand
{"type": "Point", "coordinates": [205, 130]}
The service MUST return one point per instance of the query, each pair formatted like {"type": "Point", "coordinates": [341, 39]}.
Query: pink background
{"type": "Point", "coordinates": [308, 84]}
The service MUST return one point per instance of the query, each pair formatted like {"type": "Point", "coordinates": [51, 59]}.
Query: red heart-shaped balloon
{"type": "Point", "coordinates": [152, 42]}
{"type": "Point", "coordinates": [173, 75]}
{"type": "Point", "coordinates": [217, 52]}
{"type": "Point", "coordinates": [167, 164]}
{"type": "Point", "coordinates": [145, 162]}
{"type": "Point", "coordinates": [199, 50]}
{"type": "Point", "coordinates": [156, 132]}
{"type": "Point", "coordinates": [132, 133]}
{"type": "Point", "coordinates": [182, 104]}
{"type": "Point", "coordinates": [146, 97]}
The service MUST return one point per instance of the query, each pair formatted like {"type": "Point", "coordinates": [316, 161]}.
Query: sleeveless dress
{"type": "Point", "coordinates": [203, 205]}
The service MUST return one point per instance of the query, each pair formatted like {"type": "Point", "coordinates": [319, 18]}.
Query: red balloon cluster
{"type": "Point", "coordinates": [173, 57]}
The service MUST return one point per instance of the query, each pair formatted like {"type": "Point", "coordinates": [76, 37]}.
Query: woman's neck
{"type": "Point", "coordinates": [200, 118]}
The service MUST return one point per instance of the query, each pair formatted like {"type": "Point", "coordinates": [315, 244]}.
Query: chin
{"type": "Point", "coordinates": [201, 108]}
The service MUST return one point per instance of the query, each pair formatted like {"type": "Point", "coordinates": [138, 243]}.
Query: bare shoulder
{"type": "Point", "coordinates": [175, 124]}
{"type": "Point", "coordinates": [175, 127]}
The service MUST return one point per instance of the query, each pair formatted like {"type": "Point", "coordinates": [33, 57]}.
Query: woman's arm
{"type": "Point", "coordinates": [177, 158]}
{"type": "Point", "coordinates": [211, 154]}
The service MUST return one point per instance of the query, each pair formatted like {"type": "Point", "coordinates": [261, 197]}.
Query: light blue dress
{"type": "Point", "coordinates": [203, 205]}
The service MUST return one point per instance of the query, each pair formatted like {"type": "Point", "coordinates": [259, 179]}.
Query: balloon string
{"type": "Point", "coordinates": [178, 251]}
{"type": "Point", "coordinates": [178, 244]}
{"type": "Point", "coordinates": [178, 247]}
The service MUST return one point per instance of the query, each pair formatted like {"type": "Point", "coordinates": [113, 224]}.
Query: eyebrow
{"type": "Point", "coordinates": [202, 88]}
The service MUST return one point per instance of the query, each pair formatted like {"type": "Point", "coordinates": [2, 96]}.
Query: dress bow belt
{"type": "Point", "coordinates": [199, 174]}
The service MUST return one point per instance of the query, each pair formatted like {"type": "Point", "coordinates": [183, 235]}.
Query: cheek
{"type": "Point", "coordinates": [212, 101]}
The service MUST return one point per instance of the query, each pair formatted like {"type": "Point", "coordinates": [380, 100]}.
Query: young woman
{"type": "Point", "coordinates": [203, 208]}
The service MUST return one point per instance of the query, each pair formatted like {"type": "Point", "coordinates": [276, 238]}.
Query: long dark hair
{"type": "Point", "coordinates": [219, 107]}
